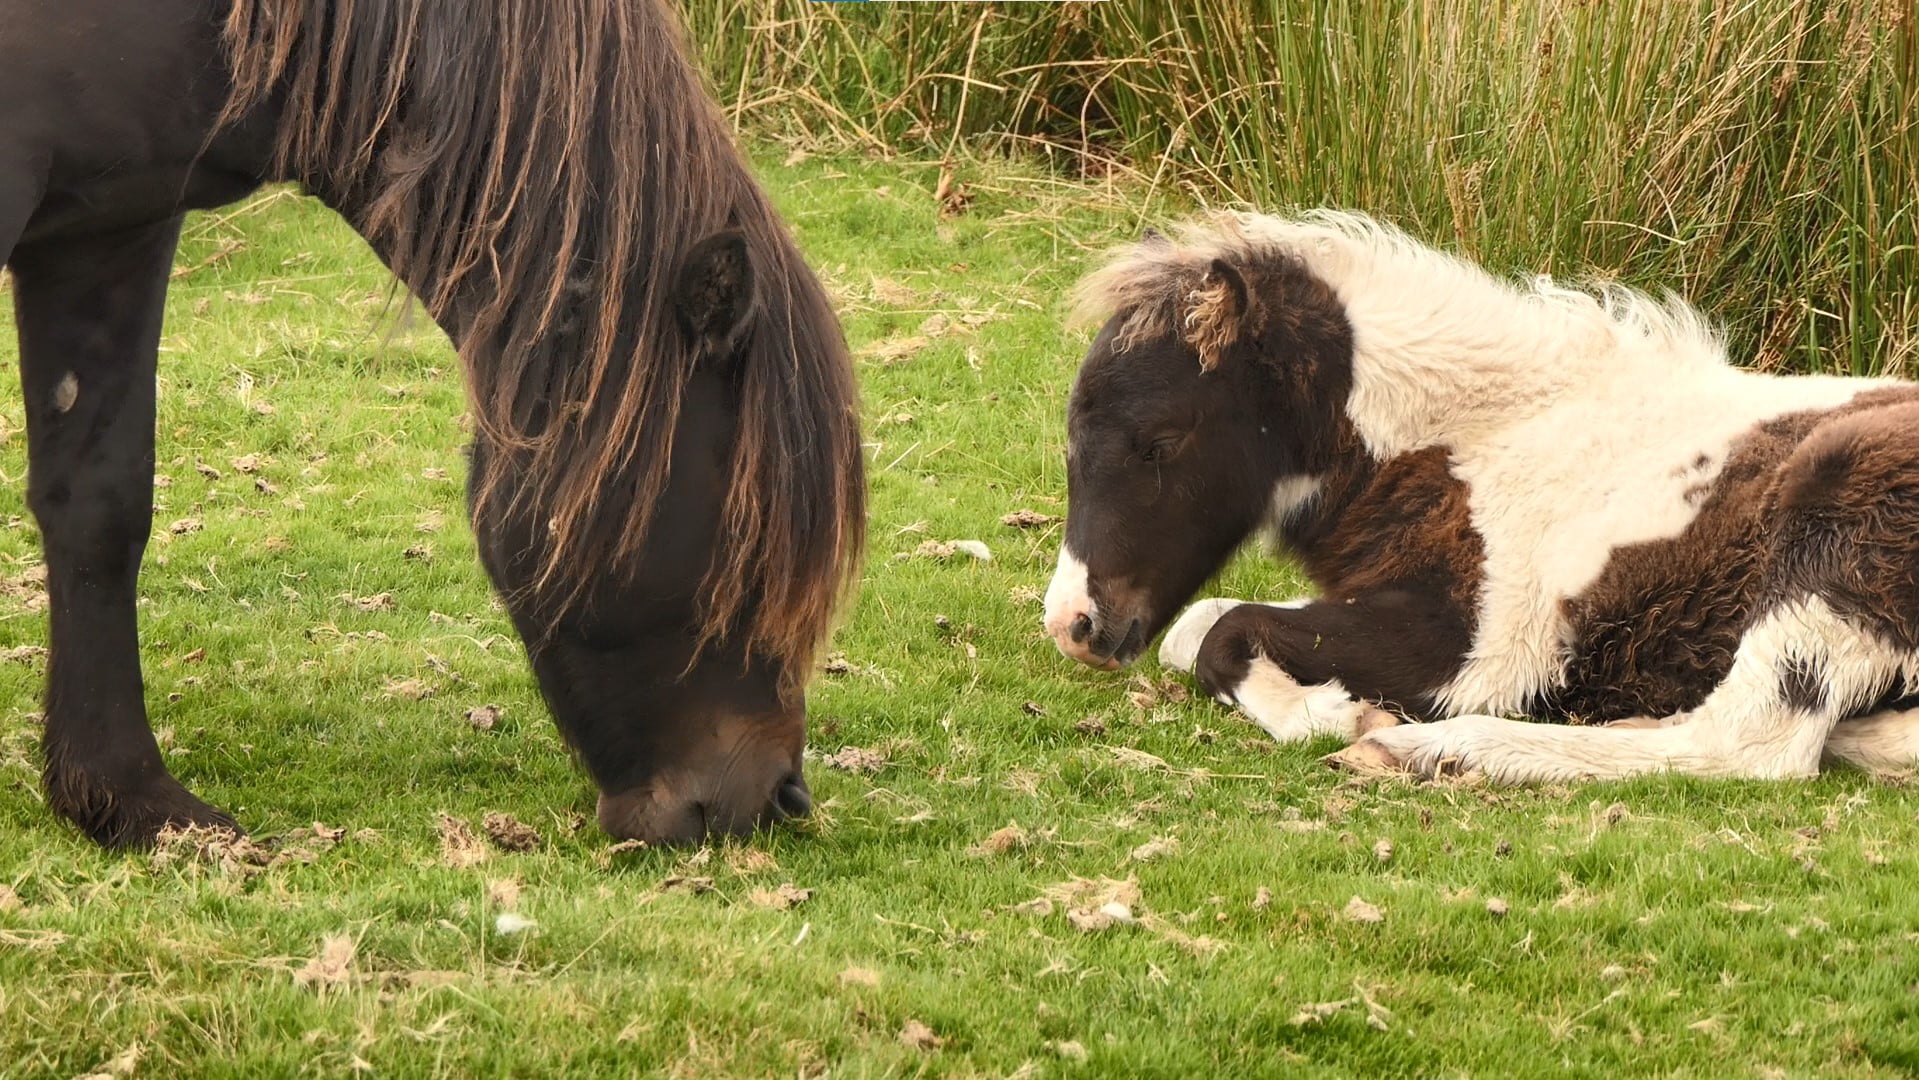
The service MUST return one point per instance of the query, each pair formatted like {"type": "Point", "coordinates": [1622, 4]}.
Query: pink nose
{"type": "Point", "coordinates": [1072, 632]}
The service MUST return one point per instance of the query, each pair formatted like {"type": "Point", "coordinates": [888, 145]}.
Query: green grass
{"type": "Point", "coordinates": [1662, 927]}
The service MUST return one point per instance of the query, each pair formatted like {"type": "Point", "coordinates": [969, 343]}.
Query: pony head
{"type": "Point", "coordinates": [1212, 395]}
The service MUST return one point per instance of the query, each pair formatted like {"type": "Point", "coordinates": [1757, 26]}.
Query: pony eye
{"type": "Point", "coordinates": [1159, 450]}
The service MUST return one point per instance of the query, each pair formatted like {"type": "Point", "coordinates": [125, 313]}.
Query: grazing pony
{"type": "Point", "coordinates": [1511, 500]}
{"type": "Point", "coordinates": [666, 478]}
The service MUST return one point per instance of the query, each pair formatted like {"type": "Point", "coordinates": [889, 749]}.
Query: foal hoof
{"type": "Point", "coordinates": [1367, 757]}
{"type": "Point", "coordinates": [1375, 718]}
{"type": "Point", "coordinates": [1637, 723]}
{"type": "Point", "coordinates": [132, 820]}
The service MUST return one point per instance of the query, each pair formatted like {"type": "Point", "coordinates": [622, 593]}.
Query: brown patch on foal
{"type": "Point", "coordinates": [1393, 524]}
{"type": "Point", "coordinates": [1657, 631]}
{"type": "Point", "coordinates": [1848, 503]}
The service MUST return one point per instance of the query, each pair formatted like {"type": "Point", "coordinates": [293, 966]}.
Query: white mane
{"type": "Point", "coordinates": [1443, 350]}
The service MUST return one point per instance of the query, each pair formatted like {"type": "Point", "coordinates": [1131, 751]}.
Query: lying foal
{"type": "Point", "coordinates": [1532, 501]}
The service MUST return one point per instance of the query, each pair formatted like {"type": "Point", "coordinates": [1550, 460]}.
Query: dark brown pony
{"type": "Point", "coordinates": [666, 479]}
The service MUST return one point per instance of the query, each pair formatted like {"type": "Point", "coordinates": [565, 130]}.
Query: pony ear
{"type": "Point", "coordinates": [1223, 274]}
{"type": "Point", "coordinates": [1220, 307]}
{"type": "Point", "coordinates": [715, 296]}
{"type": "Point", "coordinates": [1152, 237]}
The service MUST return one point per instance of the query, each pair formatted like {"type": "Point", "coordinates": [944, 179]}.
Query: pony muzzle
{"type": "Point", "coordinates": [1104, 632]}
{"type": "Point", "coordinates": [1105, 643]}
{"type": "Point", "coordinates": [659, 816]}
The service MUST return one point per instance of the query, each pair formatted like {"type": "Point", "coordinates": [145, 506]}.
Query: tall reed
{"type": "Point", "coordinates": [1758, 156]}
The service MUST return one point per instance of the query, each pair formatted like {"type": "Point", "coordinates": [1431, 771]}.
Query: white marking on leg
{"type": "Point", "coordinates": [1179, 649]}
{"type": "Point", "coordinates": [1746, 728]}
{"type": "Point", "coordinates": [1290, 712]}
{"type": "Point", "coordinates": [66, 392]}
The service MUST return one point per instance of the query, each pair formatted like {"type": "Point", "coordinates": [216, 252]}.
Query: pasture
{"type": "Point", "coordinates": [324, 660]}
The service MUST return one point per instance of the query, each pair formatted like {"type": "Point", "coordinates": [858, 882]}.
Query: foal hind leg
{"type": "Point", "coordinates": [89, 311]}
{"type": "Point", "coordinates": [1842, 629]}
{"type": "Point", "coordinates": [1884, 742]}
{"type": "Point", "coordinates": [1797, 672]}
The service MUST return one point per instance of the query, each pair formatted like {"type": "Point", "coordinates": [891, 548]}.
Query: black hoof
{"type": "Point", "coordinates": [131, 819]}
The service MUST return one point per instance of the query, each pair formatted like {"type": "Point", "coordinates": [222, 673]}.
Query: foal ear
{"type": "Point", "coordinates": [1226, 276]}
{"type": "Point", "coordinates": [715, 296]}
{"type": "Point", "coordinates": [1218, 310]}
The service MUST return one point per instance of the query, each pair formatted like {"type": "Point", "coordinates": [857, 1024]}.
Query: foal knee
{"type": "Point", "coordinates": [1179, 649]}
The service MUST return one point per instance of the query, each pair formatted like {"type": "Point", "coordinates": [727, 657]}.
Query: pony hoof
{"type": "Point", "coordinates": [132, 821]}
{"type": "Point", "coordinates": [139, 827]}
{"type": "Point", "coordinates": [1367, 757]}
{"type": "Point", "coordinates": [1377, 719]}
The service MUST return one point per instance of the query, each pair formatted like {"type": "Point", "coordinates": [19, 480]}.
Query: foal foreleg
{"type": "Point", "coordinates": [1319, 667]}
{"type": "Point", "coordinates": [89, 314]}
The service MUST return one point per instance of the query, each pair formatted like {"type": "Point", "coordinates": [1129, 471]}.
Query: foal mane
{"type": "Point", "coordinates": [536, 170]}
{"type": "Point", "coordinates": [1393, 287]}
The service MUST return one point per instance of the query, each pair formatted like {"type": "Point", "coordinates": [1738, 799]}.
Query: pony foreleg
{"type": "Point", "coordinates": [1290, 712]}
{"type": "Point", "coordinates": [89, 313]}
{"type": "Point", "coordinates": [1179, 649]}
{"type": "Point", "coordinates": [1798, 670]}
{"type": "Point", "coordinates": [1273, 699]}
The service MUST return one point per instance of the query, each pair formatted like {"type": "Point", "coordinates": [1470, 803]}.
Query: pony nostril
{"type": "Point", "coordinates": [1082, 628]}
{"type": "Point", "coordinates": [792, 800]}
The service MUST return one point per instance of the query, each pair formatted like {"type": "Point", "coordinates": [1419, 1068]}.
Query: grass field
{"type": "Point", "coordinates": [317, 631]}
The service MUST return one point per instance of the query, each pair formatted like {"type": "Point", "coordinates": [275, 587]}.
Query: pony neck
{"type": "Point", "coordinates": [1445, 353]}
{"type": "Point", "coordinates": [1451, 368]}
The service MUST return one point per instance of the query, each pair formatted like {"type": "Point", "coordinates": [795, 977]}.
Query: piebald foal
{"type": "Point", "coordinates": [1512, 500]}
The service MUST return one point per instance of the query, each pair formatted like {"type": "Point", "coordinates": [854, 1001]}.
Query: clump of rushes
{"type": "Point", "coordinates": [1759, 156]}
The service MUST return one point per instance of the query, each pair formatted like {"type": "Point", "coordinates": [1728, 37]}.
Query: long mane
{"type": "Point", "coordinates": [535, 171]}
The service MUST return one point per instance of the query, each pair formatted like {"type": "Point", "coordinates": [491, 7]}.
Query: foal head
{"type": "Point", "coordinates": [686, 731]}
{"type": "Point", "coordinates": [1207, 404]}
